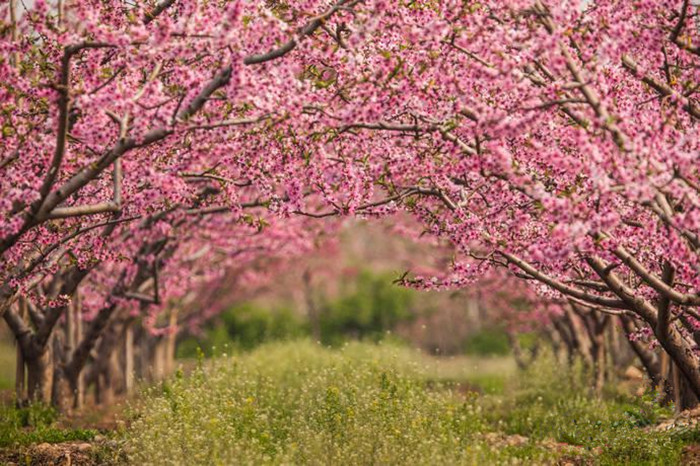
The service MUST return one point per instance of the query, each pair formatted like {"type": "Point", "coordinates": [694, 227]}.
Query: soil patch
{"type": "Point", "coordinates": [57, 454]}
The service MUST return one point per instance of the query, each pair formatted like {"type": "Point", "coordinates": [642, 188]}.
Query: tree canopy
{"type": "Point", "coordinates": [148, 148]}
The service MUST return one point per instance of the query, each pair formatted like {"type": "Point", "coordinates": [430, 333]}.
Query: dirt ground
{"type": "Point", "coordinates": [99, 451]}
{"type": "Point", "coordinates": [60, 454]}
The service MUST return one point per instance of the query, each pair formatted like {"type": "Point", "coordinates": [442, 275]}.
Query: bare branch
{"type": "Point", "coordinates": [19, 328]}
{"type": "Point", "coordinates": [692, 238]}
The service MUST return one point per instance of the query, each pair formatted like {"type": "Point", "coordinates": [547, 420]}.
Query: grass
{"type": "Point", "coordinates": [487, 375]}
{"type": "Point", "coordinates": [302, 404]}
{"type": "Point", "coordinates": [551, 403]}
{"type": "Point", "coordinates": [36, 424]}
{"type": "Point", "coordinates": [33, 424]}
{"type": "Point", "coordinates": [298, 403]}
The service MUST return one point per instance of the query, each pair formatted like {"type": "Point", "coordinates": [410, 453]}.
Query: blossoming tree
{"type": "Point", "coordinates": [555, 139]}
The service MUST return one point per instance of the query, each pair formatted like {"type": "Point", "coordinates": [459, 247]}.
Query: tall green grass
{"type": "Point", "coordinates": [299, 403]}
{"type": "Point", "coordinates": [549, 402]}
{"type": "Point", "coordinates": [36, 423]}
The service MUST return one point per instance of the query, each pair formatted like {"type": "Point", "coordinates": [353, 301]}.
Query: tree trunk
{"type": "Point", "coordinates": [620, 352]}
{"type": "Point", "coordinates": [105, 371]}
{"type": "Point", "coordinates": [682, 355]}
{"type": "Point", "coordinates": [129, 358]}
{"type": "Point", "coordinates": [39, 375]}
{"type": "Point", "coordinates": [19, 376]}
{"type": "Point", "coordinates": [66, 391]}
{"type": "Point", "coordinates": [311, 307]}
{"type": "Point", "coordinates": [649, 360]}
{"type": "Point", "coordinates": [599, 365]}
{"type": "Point", "coordinates": [683, 396]}
{"type": "Point", "coordinates": [78, 329]}
{"type": "Point", "coordinates": [521, 359]}
{"type": "Point", "coordinates": [597, 327]}
{"type": "Point", "coordinates": [169, 349]}
{"type": "Point", "coordinates": [590, 332]}
{"type": "Point", "coordinates": [107, 382]}
{"type": "Point", "coordinates": [580, 335]}
{"type": "Point", "coordinates": [563, 329]}
{"type": "Point", "coordinates": [158, 361]}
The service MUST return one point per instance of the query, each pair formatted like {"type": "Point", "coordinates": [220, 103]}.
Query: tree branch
{"type": "Point", "coordinates": [63, 88]}
{"type": "Point", "coordinates": [71, 280]}
{"type": "Point", "coordinates": [659, 284]}
{"type": "Point", "coordinates": [307, 30]}
{"type": "Point", "coordinates": [157, 10]}
{"type": "Point", "coordinates": [563, 287]}
{"type": "Point", "coordinates": [638, 304]}
{"type": "Point", "coordinates": [661, 88]}
{"type": "Point", "coordinates": [664, 304]}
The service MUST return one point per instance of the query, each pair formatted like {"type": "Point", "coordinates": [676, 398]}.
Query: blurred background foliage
{"type": "Point", "coordinates": [367, 307]}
